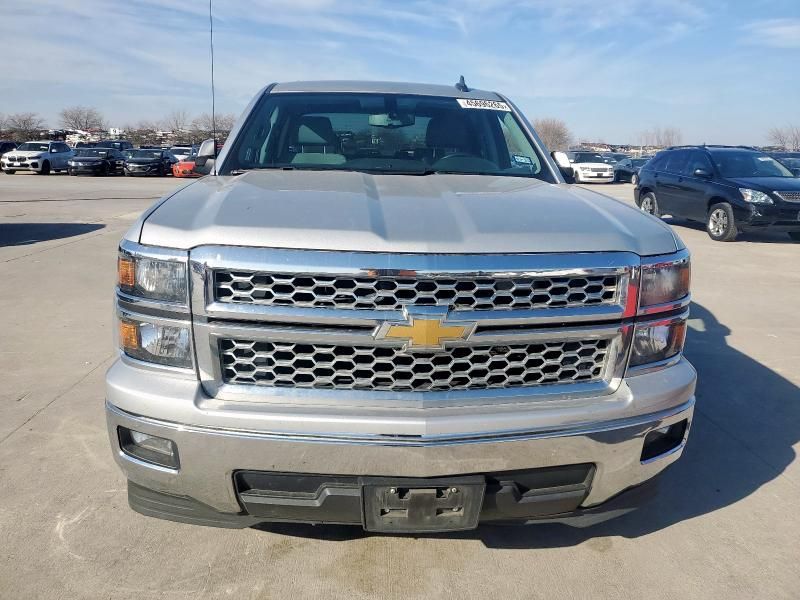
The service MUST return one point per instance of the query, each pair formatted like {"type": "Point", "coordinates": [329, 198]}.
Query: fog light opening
{"type": "Point", "coordinates": [149, 448]}
{"type": "Point", "coordinates": [663, 440]}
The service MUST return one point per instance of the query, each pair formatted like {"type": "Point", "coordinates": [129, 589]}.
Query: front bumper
{"type": "Point", "coordinates": [149, 170]}
{"type": "Point", "coordinates": [776, 217]}
{"type": "Point", "coordinates": [88, 169]}
{"type": "Point", "coordinates": [216, 440]}
{"type": "Point", "coordinates": [594, 178]}
{"type": "Point", "coordinates": [26, 166]}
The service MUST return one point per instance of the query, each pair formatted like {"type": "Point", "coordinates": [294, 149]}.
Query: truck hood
{"type": "Point", "coordinates": [447, 214]}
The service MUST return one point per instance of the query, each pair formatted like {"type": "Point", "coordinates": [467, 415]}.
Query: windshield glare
{"type": "Point", "coordinates": [146, 154]}
{"type": "Point", "coordinates": [734, 163]}
{"type": "Point", "coordinates": [385, 133]}
{"type": "Point", "coordinates": [588, 157]}
{"type": "Point", "coordinates": [91, 152]}
{"type": "Point", "coordinates": [33, 147]}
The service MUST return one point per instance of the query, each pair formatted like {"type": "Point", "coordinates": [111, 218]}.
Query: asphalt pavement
{"type": "Point", "coordinates": [726, 522]}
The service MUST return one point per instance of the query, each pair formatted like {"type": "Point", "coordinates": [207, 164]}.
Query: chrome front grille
{"type": "Point", "coordinates": [395, 292]}
{"type": "Point", "coordinates": [791, 196]}
{"type": "Point", "coordinates": [391, 369]}
{"type": "Point", "coordinates": [276, 323]}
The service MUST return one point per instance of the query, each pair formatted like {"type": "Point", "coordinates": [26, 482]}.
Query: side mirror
{"type": "Point", "coordinates": [702, 173]}
{"type": "Point", "coordinates": [796, 172]}
{"type": "Point", "coordinates": [205, 157]}
{"type": "Point", "coordinates": [564, 166]}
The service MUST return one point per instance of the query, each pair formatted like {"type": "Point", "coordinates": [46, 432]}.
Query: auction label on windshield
{"type": "Point", "coordinates": [484, 104]}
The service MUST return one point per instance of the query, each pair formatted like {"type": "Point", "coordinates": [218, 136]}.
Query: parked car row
{"type": "Point", "coordinates": [729, 188]}
{"type": "Point", "coordinates": [111, 157]}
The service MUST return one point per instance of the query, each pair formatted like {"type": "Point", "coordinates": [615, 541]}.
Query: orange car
{"type": "Point", "coordinates": [184, 168]}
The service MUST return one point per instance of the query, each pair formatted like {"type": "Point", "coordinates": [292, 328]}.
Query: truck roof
{"type": "Point", "coordinates": [383, 87]}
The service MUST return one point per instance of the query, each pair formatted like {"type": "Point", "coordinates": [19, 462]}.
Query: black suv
{"type": "Point", "coordinates": [730, 189]}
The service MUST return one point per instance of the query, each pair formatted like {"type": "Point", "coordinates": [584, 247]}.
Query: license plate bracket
{"type": "Point", "coordinates": [422, 505]}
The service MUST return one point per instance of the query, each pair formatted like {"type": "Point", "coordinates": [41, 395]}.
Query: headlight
{"type": "Point", "coordinates": [664, 281]}
{"type": "Point", "coordinates": [153, 278]}
{"type": "Point", "coordinates": [755, 197]}
{"type": "Point", "coordinates": [657, 341]}
{"type": "Point", "coordinates": [155, 342]}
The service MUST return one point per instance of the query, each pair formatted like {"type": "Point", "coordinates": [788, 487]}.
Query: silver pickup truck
{"type": "Point", "coordinates": [385, 307]}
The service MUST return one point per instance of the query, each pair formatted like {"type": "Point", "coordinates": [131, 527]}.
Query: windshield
{"type": "Point", "coordinates": [385, 133]}
{"type": "Point", "coordinates": [588, 157]}
{"type": "Point", "coordinates": [792, 163]}
{"type": "Point", "coordinates": [178, 150]}
{"type": "Point", "coordinates": [638, 162]}
{"type": "Point", "coordinates": [146, 154]}
{"type": "Point", "coordinates": [33, 147]}
{"type": "Point", "coordinates": [91, 152]}
{"type": "Point", "coordinates": [743, 163]}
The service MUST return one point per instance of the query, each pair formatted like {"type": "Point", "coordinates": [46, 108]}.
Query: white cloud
{"type": "Point", "coordinates": [777, 33]}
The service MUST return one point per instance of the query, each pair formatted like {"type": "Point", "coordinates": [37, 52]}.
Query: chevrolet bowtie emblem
{"type": "Point", "coordinates": [426, 328]}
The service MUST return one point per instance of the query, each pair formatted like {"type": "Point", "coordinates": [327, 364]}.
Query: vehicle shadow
{"type": "Point", "coordinates": [21, 234]}
{"type": "Point", "coordinates": [755, 237]}
{"type": "Point", "coordinates": [746, 421]}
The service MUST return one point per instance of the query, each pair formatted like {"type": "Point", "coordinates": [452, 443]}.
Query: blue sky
{"type": "Point", "coordinates": [720, 71]}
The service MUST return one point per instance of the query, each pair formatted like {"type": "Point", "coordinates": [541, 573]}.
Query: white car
{"type": "Point", "coordinates": [41, 157]}
{"type": "Point", "coordinates": [589, 167]}
{"type": "Point", "coordinates": [183, 152]}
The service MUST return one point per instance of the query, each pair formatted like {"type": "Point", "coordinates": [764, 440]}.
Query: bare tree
{"type": "Point", "coordinates": [554, 133]}
{"type": "Point", "coordinates": [203, 126]}
{"type": "Point", "coordinates": [788, 137]}
{"type": "Point", "coordinates": [82, 118]}
{"type": "Point", "coordinates": [671, 136]}
{"type": "Point", "coordinates": [24, 126]}
{"type": "Point", "coordinates": [177, 121]}
{"type": "Point", "coordinates": [142, 133]}
{"type": "Point", "coordinates": [779, 136]}
{"type": "Point", "coordinates": [3, 122]}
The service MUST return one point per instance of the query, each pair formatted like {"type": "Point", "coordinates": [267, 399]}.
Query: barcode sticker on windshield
{"type": "Point", "coordinates": [483, 104]}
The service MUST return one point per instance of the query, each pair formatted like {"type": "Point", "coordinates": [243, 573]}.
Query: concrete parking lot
{"type": "Point", "coordinates": [726, 523]}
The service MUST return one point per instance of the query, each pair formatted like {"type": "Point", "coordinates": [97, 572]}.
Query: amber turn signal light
{"type": "Point", "coordinates": [128, 335]}
{"type": "Point", "coordinates": [126, 272]}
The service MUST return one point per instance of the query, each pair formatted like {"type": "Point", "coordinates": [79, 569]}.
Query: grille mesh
{"type": "Point", "coordinates": [789, 196]}
{"type": "Point", "coordinates": [323, 366]}
{"type": "Point", "coordinates": [392, 293]}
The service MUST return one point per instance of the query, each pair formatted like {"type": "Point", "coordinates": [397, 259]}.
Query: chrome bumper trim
{"type": "Point", "coordinates": [419, 441]}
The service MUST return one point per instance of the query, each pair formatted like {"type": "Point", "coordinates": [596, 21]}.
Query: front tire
{"type": "Point", "coordinates": [721, 223]}
{"type": "Point", "coordinates": [72, 172]}
{"type": "Point", "coordinates": [635, 179]}
{"type": "Point", "coordinates": [795, 235]}
{"type": "Point", "coordinates": [649, 204]}
{"type": "Point", "coordinates": [9, 171]}
{"type": "Point", "coordinates": [45, 168]}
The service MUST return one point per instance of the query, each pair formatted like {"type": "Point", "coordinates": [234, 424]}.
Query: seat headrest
{"type": "Point", "coordinates": [316, 131]}
{"type": "Point", "coordinates": [448, 131]}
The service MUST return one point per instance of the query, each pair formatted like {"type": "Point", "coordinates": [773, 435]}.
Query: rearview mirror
{"type": "Point", "coordinates": [702, 173]}
{"type": "Point", "coordinates": [205, 157]}
{"type": "Point", "coordinates": [392, 121]}
{"type": "Point", "coordinates": [562, 160]}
